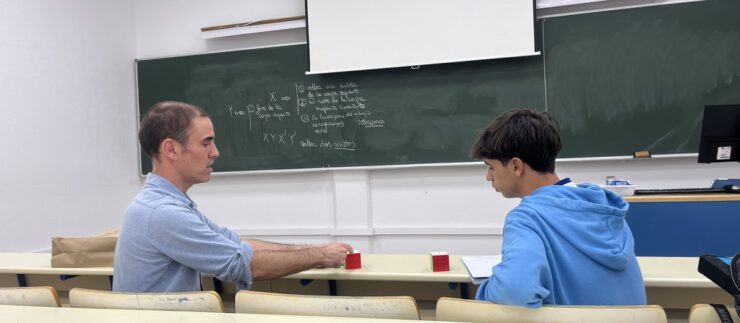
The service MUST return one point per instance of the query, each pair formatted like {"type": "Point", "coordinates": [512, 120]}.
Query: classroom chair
{"type": "Point", "coordinates": [705, 313]}
{"type": "Point", "coordinates": [390, 307]}
{"type": "Point", "coordinates": [205, 301]}
{"type": "Point", "coordinates": [454, 309]}
{"type": "Point", "coordinates": [31, 296]}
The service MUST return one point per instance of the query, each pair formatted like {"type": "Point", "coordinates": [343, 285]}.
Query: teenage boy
{"type": "Point", "coordinates": [565, 243]}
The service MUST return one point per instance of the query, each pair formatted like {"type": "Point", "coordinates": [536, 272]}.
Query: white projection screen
{"type": "Point", "coordinates": [351, 35]}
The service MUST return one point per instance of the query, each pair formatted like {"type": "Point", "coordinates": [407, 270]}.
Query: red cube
{"type": "Point", "coordinates": [353, 261]}
{"type": "Point", "coordinates": [440, 261]}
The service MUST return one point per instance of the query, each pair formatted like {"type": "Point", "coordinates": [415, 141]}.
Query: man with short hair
{"type": "Point", "coordinates": [565, 243]}
{"type": "Point", "coordinates": [166, 242]}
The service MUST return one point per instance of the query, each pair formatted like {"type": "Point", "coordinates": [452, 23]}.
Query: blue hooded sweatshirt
{"type": "Point", "coordinates": [567, 245]}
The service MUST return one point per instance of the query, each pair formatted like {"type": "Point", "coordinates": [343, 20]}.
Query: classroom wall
{"type": "Point", "coordinates": [68, 122]}
{"type": "Point", "coordinates": [71, 169]}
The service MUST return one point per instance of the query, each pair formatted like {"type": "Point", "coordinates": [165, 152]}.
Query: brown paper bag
{"type": "Point", "coordinates": [95, 251]}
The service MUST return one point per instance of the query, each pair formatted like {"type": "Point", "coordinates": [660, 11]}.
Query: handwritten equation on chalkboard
{"type": "Point", "coordinates": [313, 116]}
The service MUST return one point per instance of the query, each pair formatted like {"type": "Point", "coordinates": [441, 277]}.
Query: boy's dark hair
{"type": "Point", "coordinates": [167, 119]}
{"type": "Point", "coordinates": [532, 136]}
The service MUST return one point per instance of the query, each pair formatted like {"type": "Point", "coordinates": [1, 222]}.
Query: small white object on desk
{"type": "Point", "coordinates": [621, 190]}
{"type": "Point", "coordinates": [621, 187]}
{"type": "Point", "coordinates": [480, 267]}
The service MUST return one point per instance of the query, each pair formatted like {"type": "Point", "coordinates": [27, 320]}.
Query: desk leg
{"type": "Point", "coordinates": [110, 280]}
{"type": "Point", "coordinates": [21, 280]}
{"type": "Point", "coordinates": [332, 287]}
{"type": "Point", "coordinates": [464, 291]}
{"type": "Point", "coordinates": [218, 286]}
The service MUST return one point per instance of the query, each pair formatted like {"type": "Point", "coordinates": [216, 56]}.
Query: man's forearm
{"type": "Point", "coordinates": [259, 245]}
{"type": "Point", "coordinates": [274, 260]}
{"type": "Point", "coordinates": [271, 264]}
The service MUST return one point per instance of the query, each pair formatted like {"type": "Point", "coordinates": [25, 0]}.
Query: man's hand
{"type": "Point", "coordinates": [271, 260]}
{"type": "Point", "coordinates": [333, 255]}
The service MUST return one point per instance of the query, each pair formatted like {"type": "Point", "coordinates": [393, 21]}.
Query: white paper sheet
{"type": "Point", "coordinates": [480, 267]}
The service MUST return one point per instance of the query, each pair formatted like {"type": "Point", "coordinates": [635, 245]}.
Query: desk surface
{"type": "Point", "coordinates": [389, 267]}
{"type": "Point", "coordinates": [656, 271]}
{"type": "Point", "coordinates": [673, 272]}
{"type": "Point", "coordinates": [683, 198]}
{"type": "Point", "coordinates": [23, 314]}
{"type": "Point", "coordinates": [40, 263]}
{"type": "Point", "coordinates": [374, 267]}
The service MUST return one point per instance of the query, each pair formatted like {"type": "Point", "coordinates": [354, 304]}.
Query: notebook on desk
{"type": "Point", "coordinates": [480, 267]}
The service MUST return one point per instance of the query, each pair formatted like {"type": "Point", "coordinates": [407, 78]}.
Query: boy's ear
{"type": "Point", "coordinates": [517, 166]}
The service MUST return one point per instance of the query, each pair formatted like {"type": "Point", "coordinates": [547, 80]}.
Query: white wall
{"type": "Point", "coordinates": [71, 168]}
{"type": "Point", "coordinates": [67, 97]}
{"type": "Point", "coordinates": [172, 27]}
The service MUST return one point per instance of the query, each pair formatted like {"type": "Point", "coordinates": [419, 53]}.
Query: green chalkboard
{"type": "Point", "coordinates": [616, 82]}
{"type": "Point", "coordinates": [269, 115]}
{"type": "Point", "coordinates": [638, 79]}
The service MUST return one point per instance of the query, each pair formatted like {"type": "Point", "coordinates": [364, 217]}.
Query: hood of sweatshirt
{"type": "Point", "coordinates": [588, 217]}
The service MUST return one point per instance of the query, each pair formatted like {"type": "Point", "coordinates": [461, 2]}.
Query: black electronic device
{"type": "Point", "coordinates": [670, 191]}
{"type": "Point", "coordinates": [718, 270]}
{"type": "Point", "coordinates": [724, 182]}
{"type": "Point", "coordinates": [720, 134]}
{"type": "Point", "coordinates": [719, 186]}
{"type": "Point", "coordinates": [692, 190]}
{"type": "Point", "coordinates": [725, 272]}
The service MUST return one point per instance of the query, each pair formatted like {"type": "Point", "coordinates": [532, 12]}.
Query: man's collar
{"type": "Point", "coordinates": [167, 186]}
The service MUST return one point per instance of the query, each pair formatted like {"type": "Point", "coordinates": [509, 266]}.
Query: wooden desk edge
{"type": "Point", "coordinates": [97, 271]}
{"type": "Point", "coordinates": [428, 278]}
{"type": "Point", "coordinates": [682, 283]}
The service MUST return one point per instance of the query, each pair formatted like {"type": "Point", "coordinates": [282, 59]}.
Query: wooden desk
{"type": "Point", "coordinates": [392, 274]}
{"type": "Point", "coordinates": [657, 271]}
{"type": "Point", "coordinates": [388, 267]}
{"type": "Point", "coordinates": [375, 267]}
{"type": "Point", "coordinates": [673, 272]}
{"type": "Point", "coordinates": [673, 282]}
{"type": "Point", "coordinates": [40, 263]}
{"type": "Point", "coordinates": [29, 314]}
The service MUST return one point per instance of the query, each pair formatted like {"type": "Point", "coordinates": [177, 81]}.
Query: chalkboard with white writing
{"type": "Point", "coordinates": [269, 115]}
